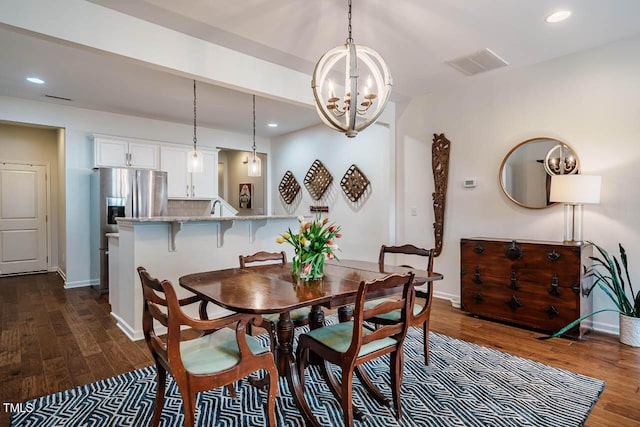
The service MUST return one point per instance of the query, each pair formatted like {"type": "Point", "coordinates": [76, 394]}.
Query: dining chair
{"type": "Point", "coordinates": [299, 317]}
{"type": "Point", "coordinates": [221, 354]}
{"type": "Point", "coordinates": [421, 308]}
{"type": "Point", "coordinates": [350, 344]}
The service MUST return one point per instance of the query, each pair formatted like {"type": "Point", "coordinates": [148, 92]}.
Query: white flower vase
{"type": "Point", "coordinates": [630, 330]}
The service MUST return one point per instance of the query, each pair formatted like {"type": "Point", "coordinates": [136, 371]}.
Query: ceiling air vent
{"type": "Point", "coordinates": [58, 97]}
{"type": "Point", "coordinates": [478, 62]}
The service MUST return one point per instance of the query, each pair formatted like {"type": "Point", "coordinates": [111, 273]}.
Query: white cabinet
{"type": "Point", "coordinates": [116, 152]}
{"type": "Point", "coordinates": [186, 185]}
{"type": "Point", "coordinates": [205, 184]}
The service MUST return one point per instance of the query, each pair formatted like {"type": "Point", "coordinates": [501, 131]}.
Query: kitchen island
{"type": "Point", "coordinates": [172, 246]}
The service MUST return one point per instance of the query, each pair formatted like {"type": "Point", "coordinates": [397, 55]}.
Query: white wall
{"type": "Point", "coordinates": [588, 100]}
{"type": "Point", "coordinates": [79, 125]}
{"type": "Point", "coordinates": [365, 225]}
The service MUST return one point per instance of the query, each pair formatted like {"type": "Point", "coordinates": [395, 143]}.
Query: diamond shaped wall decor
{"type": "Point", "coordinates": [289, 187]}
{"type": "Point", "coordinates": [354, 183]}
{"type": "Point", "coordinates": [317, 180]}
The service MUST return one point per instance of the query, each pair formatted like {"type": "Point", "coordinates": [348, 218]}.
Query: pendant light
{"type": "Point", "coordinates": [255, 164]}
{"type": "Point", "coordinates": [361, 104]}
{"type": "Point", "coordinates": [194, 158]}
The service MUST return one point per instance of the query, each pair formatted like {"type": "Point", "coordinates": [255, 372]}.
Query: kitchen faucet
{"type": "Point", "coordinates": [213, 207]}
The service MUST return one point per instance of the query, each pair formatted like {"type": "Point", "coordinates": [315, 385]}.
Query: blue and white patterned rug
{"type": "Point", "coordinates": [466, 385]}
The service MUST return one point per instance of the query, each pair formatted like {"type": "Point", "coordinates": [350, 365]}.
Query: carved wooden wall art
{"type": "Point", "coordinates": [289, 187]}
{"type": "Point", "coordinates": [440, 165]}
{"type": "Point", "coordinates": [317, 180]}
{"type": "Point", "coordinates": [354, 183]}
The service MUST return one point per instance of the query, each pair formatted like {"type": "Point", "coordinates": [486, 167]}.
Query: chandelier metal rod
{"type": "Point", "coordinates": [349, 39]}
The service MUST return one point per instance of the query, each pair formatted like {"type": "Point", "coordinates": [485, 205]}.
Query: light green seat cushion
{"type": "Point", "coordinates": [392, 315]}
{"type": "Point", "coordinates": [338, 337]}
{"type": "Point", "coordinates": [215, 352]}
{"type": "Point", "coordinates": [297, 315]}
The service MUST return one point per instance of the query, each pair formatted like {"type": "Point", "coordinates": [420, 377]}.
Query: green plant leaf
{"type": "Point", "coordinates": [623, 257]}
{"type": "Point", "coordinates": [574, 324]}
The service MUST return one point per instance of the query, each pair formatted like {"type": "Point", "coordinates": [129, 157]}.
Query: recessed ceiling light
{"type": "Point", "coordinates": [35, 80]}
{"type": "Point", "coordinates": [273, 125]}
{"type": "Point", "coordinates": [558, 16]}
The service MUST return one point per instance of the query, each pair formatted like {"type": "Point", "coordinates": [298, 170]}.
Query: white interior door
{"type": "Point", "coordinates": [23, 213]}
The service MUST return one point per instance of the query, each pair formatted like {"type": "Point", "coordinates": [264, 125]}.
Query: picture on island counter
{"type": "Point", "coordinates": [245, 196]}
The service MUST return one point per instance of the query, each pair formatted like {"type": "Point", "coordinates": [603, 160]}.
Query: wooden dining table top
{"type": "Point", "coordinates": [272, 288]}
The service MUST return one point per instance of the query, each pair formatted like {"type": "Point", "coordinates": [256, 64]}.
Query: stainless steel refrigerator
{"type": "Point", "coordinates": [121, 192]}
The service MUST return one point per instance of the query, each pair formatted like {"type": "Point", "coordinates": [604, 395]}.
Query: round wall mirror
{"type": "Point", "coordinates": [523, 175]}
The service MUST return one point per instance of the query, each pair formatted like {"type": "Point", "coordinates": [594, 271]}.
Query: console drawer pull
{"type": "Point", "coordinates": [553, 255]}
{"type": "Point", "coordinates": [476, 276]}
{"type": "Point", "coordinates": [553, 290]}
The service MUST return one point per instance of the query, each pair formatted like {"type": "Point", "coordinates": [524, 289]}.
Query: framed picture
{"type": "Point", "coordinates": [245, 193]}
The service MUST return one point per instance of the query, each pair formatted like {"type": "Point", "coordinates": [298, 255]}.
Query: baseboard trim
{"type": "Point", "coordinates": [607, 328]}
{"type": "Point", "coordinates": [80, 284]}
{"type": "Point", "coordinates": [453, 299]}
{"type": "Point", "coordinates": [131, 333]}
{"type": "Point", "coordinates": [61, 273]}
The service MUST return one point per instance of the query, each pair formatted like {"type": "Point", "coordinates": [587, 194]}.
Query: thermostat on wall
{"type": "Point", "coordinates": [469, 183]}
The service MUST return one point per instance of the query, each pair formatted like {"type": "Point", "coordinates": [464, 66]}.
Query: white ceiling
{"type": "Point", "coordinates": [415, 37]}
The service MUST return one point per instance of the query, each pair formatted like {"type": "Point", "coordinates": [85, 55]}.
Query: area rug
{"type": "Point", "coordinates": [465, 385]}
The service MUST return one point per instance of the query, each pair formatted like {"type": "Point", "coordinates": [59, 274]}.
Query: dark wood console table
{"type": "Point", "coordinates": [536, 284]}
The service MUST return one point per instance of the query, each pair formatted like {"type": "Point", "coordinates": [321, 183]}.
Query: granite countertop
{"type": "Point", "coordinates": [203, 218]}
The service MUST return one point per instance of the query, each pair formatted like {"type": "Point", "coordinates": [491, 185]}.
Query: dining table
{"type": "Point", "coordinates": [272, 288]}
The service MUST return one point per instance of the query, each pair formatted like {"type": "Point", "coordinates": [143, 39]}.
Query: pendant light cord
{"type": "Point", "coordinates": [195, 139]}
{"type": "Point", "coordinates": [254, 126]}
{"type": "Point", "coordinates": [349, 39]}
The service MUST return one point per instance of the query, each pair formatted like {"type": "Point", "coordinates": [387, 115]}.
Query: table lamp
{"type": "Point", "coordinates": [574, 191]}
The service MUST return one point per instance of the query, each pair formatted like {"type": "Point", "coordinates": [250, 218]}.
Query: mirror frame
{"type": "Point", "coordinates": [506, 157]}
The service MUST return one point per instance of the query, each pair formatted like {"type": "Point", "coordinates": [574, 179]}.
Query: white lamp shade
{"type": "Point", "coordinates": [575, 189]}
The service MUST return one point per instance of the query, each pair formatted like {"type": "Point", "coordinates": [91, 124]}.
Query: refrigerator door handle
{"type": "Point", "coordinates": [135, 207]}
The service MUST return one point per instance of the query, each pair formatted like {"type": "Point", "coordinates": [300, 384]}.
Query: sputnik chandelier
{"type": "Point", "coordinates": [361, 104]}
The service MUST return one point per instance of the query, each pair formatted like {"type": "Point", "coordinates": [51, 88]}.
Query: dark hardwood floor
{"type": "Point", "coordinates": [53, 339]}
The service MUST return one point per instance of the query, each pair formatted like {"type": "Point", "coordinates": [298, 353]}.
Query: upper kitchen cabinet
{"type": "Point", "coordinates": [187, 185]}
{"type": "Point", "coordinates": [123, 153]}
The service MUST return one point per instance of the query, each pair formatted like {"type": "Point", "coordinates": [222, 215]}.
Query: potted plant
{"type": "Point", "coordinates": [609, 276]}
